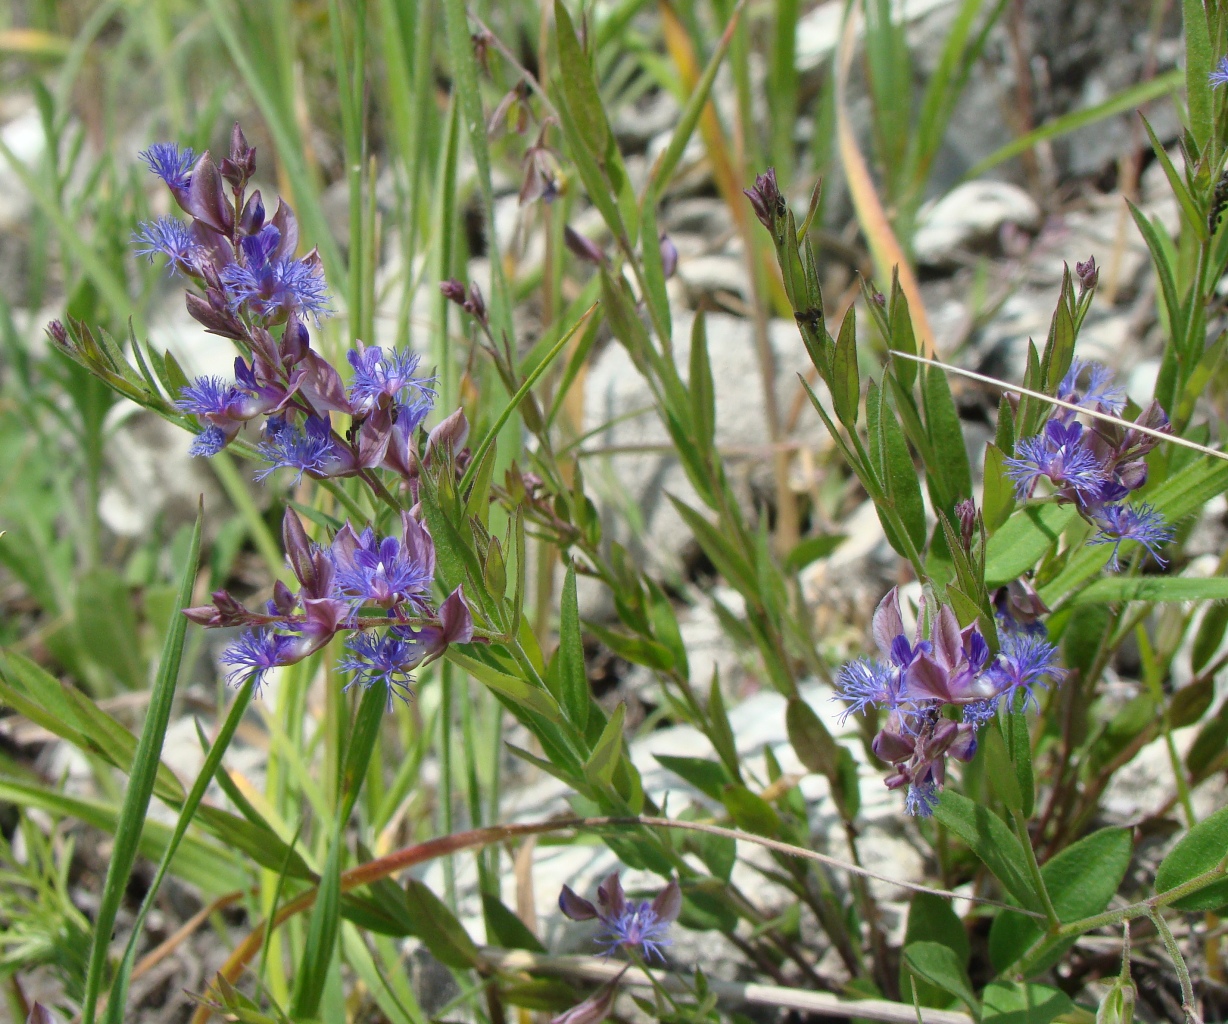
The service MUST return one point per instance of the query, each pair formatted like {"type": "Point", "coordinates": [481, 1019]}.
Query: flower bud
{"type": "Point", "coordinates": [584, 248]}
{"type": "Point", "coordinates": [1088, 274]}
{"type": "Point", "coordinates": [669, 254]}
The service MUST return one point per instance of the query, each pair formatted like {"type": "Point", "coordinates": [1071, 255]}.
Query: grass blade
{"type": "Point", "coordinates": [141, 782]}
{"type": "Point", "coordinates": [119, 988]}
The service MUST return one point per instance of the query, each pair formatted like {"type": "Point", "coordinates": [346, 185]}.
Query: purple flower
{"type": "Point", "coordinates": [256, 652]}
{"type": "Point", "coordinates": [922, 798]}
{"type": "Point", "coordinates": [867, 682]}
{"type": "Point", "coordinates": [391, 379]}
{"type": "Point", "coordinates": [274, 284]}
{"type": "Point", "coordinates": [629, 924]}
{"type": "Point", "coordinates": [209, 442]}
{"type": "Point", "coordinates": [1219, 74]}
{"type": "Point", "coordinates": [1099, 392]}
{"type": "Point", "coordinates": [385, 571]}
{"type": "Point", "coordinates": [1059, 454]}
{"type": "Point", "coordinates": [382, 658]}
{"type": "Point", "coordinates": [1142, 523]}
{"type": "Point", "coordinates": [979, 712]}
{"type": "Point", "coordinates": [313, 450]}
{"type": "Point", "coordinates": [170, 163]}
{"type": "Point", "coordinates": [209, 396]}
{"type": "Point", "coordinates": [170, 237]}
{"type": "Point", "coordinates": [1026, 661]}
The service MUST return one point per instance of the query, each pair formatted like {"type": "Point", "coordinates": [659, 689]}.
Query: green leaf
{"type": "Point", "coordinates": [141, 780]}
{"type": "Point", "coordinates": [1019, 746]}
{"type": "Point", "coordinates": [989, 837]}
{"type": "Point", "coordinates": [1005, 1002]}
{"type": "Point", "coordinates": [946, 436]}
{"type": "Point", "coordinates": [505, 929]}
{"type": "Point", "coordinates": [931, 919]}
{"type": "Point", "coordinates": [724, 556]}
{"type": "Point", "coordinates": [811, 549]}
{"type": "Point", "coordinates": [1164, 271]}
{"type": "Point", "coordinates": [845, 381]}
{"type": "Point", "coordinates": [940, 966]}
{"type": "Point", "coordinates": [1153, 588]}
{"type": "Point", "coordinates": [637, 649]}
{"type": "Point", "coordinates": [903, 484]}
{"type": "Point", "coordinates": [573, 678]}
{"type": "Point", "coordinates": [320, 945]}
{"type": "Point", "coordinates": [720, 732]}
{"type": "Point", "coordinates": [1188, 704]}
{"type": "Point", "coordinates": [1059, 346]}
{"type": "Point", "coordinates": [1209, 636]}
{"type": "Point", "coordinates": [119, 987]}
{"type": "Point", "coordinates": [709, 777]}
{"type": "Point", "coordinates": [1200, 850]}
{"type": "Point", "coordinates": [1001, 771]}
{"type": "Point", "coordinates": [1198, 60]}
{"type": "Point", "coordinates": [517, 690]}
{"type": "Point", "coordinates": [1209, 744]}
{"type": "Point", "coordinates": [1023, 541]}
{"type": "Point", "coordinates": [700, 385]}
{"type": "Point", "coordinates": [818, 750]}
{"type": "Point", "coordinates": [106, 625]}
{"type": "Point", "coordinates": [750, 811]}
{"type": "Point", "coordinates": [1081, 880]}
{"type": "Point", "coordinates": [607, 751]}
{"type": "Point", "coordinates": [363, 734]}
{"type": "Point", "coordinates": [438, 927]}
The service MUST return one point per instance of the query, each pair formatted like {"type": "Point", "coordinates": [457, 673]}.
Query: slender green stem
{"type": "Point", "coordinates": [1183, 972]}
{"type": "Point", "coordinates": [1021, 826]}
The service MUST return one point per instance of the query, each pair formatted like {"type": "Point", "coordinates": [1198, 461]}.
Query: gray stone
{"type": "Point", "coordinates": [970, 215]}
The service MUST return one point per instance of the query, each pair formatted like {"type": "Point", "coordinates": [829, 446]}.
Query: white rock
{"type": "Point", "coordinates": [971, 213]}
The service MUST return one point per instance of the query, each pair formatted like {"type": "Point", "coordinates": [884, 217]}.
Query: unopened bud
{"type": "Point", "coordinates": [1088, 274]}
{"type": "Point", "coordinates": [582, 247]}
{"type": "Point", "coordinates": [669, 254]}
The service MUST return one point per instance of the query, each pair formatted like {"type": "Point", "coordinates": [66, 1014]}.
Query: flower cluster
{"type": "Point", "coordinates": [1096, 467]}
{"type": "Point", "coordinates": [248, 285]}
{"type": "Point", "coordinates": [377, 588]}
{"type": "Point", "coordinates": [916, 681]}
{"type": "Point", "coordinates": [251, 288]}
{"type": "Point", "coordinates": [629, 924]}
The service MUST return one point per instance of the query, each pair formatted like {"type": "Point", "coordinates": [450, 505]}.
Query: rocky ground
{"type": "Point", "coordinates": [991, 255]}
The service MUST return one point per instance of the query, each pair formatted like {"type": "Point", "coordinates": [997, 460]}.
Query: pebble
{"type": "Point", "coordinates": [970, 215]}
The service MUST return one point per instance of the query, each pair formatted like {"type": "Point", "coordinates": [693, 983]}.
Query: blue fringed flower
{"type": "Point", "coordinates": [979, 712]}
{"type": "Point", "coordinates": [382, 572]}
{"type": "Point", "coordinates": [636, 926]}
{"type": "Point", "coordinates": [1027, 660]}
{"type": "Point", "coordinates": [209, 442]}
{"type": "Point", "coordinates": [1143, 523]}
{"type": "Point", "coordinates": [1058, 454]}
{"type": "Point", "coordinates": [393, 377]}
{"type": "Point", "coordinates": [208, 396]}
{"type": "Point", "coordinates": [922, 798]}
{"type": "Point", "coordinates": [256, 652]}
{"type": "Point", "coordinates": [386, 658]}
{"type": "Point", "coordinates": [864, 683]}
{"type": "Point", "coordinates": [170, 163]}
{"type": "Point", "coordinates": [1099, 393]}
{"type": "Point", "coordinates": [275, 286]}
{"type": "Point", "coordinates": [1219, 75]}
{"type": "Point", "coordinates": [169, 237]}
{"type": "Point", "coordinates": [305, 451]}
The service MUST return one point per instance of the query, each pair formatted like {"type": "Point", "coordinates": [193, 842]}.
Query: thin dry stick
{"type": "Point", "coordinates": [1094, 414]}
{"type": "Point", "coordinates": [821, 1004]}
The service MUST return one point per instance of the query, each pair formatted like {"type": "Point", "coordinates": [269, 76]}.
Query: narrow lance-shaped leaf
{"type": "Point", "coordinates": [141, 780]}
{"type": "Point", "coordinates": [845, 380]}
{"type": "Point", "coordinates": [573, 678]}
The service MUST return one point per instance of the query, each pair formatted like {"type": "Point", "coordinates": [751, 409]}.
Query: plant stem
{"type": "Point", "coordinates": [1183, 972]}
{"type": "Point", "coordinates": [1021, 826]}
